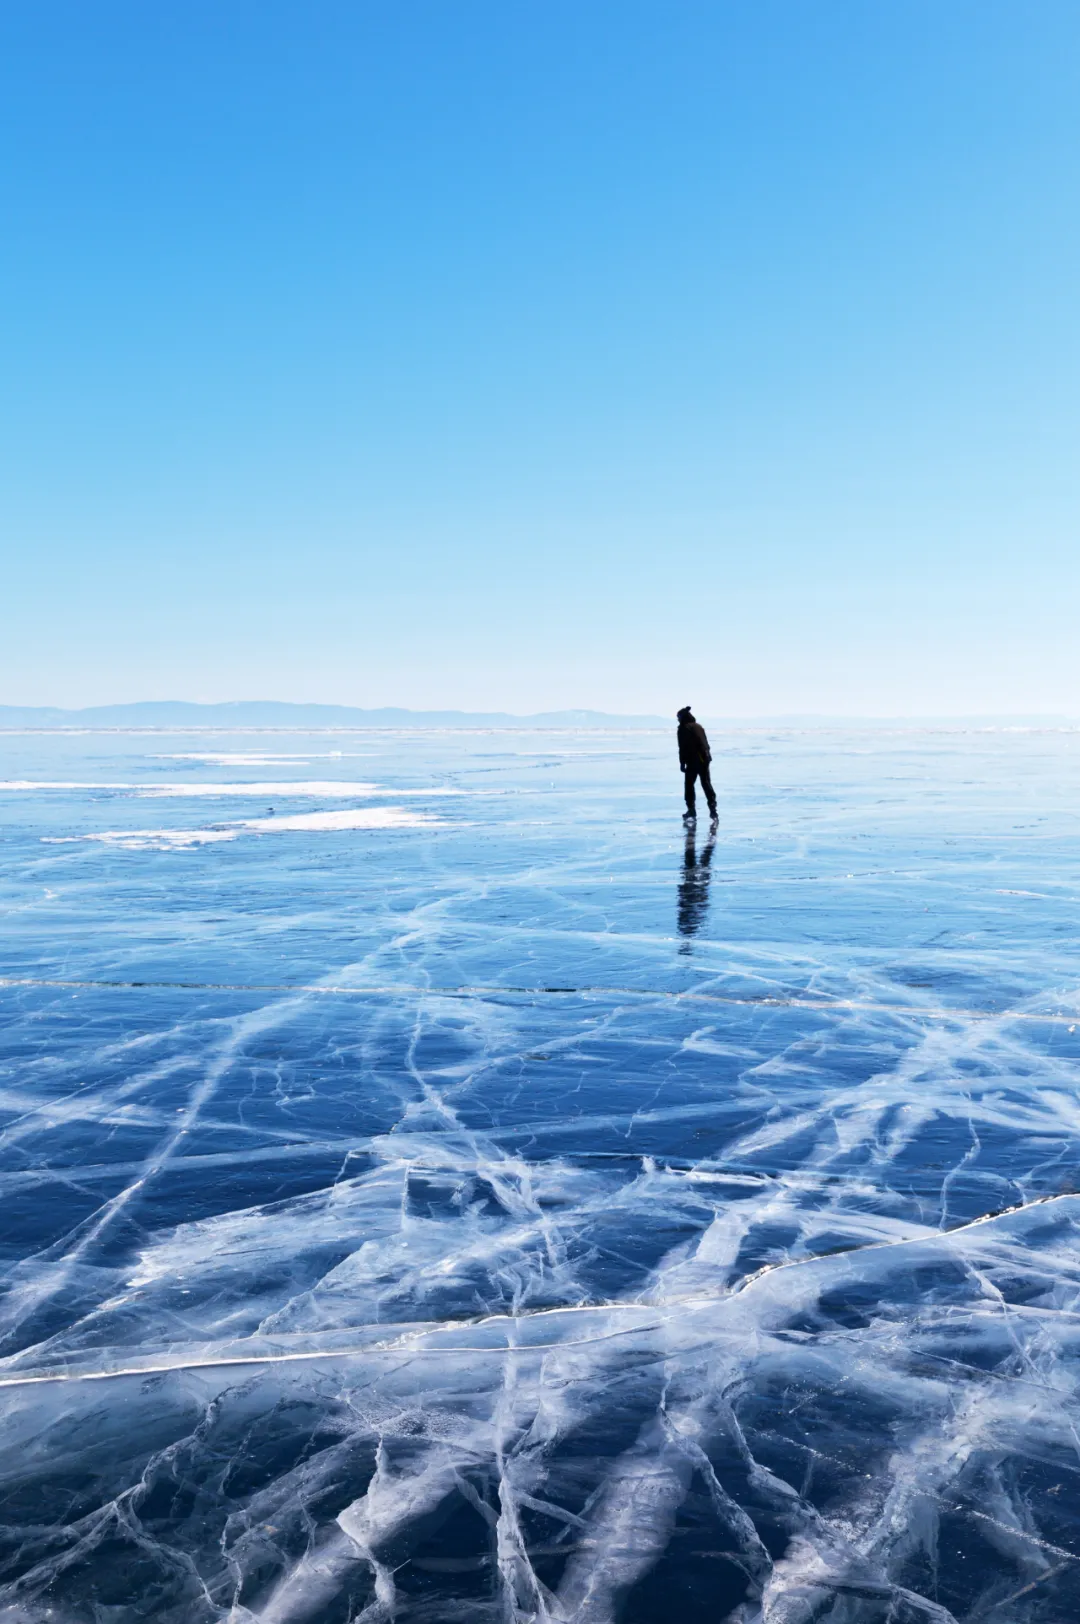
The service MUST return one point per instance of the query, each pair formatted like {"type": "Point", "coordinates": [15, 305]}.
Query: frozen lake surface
{"type": "Point", "coordinates": [434, 1189]}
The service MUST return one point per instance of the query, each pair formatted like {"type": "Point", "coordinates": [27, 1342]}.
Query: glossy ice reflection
{"type": "Point", "coordinates": [525, 1208]}
{"type": "Point", "coordinates": [694, 884]}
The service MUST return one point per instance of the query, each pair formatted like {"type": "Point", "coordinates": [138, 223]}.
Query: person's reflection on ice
{"type": "Point", "coordinates": [694, 884]}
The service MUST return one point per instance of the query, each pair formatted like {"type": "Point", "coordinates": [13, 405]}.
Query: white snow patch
{"type": "Point", "coordinates": [282, 789]}
{"type": "Point", "coordinates": [372, 817]}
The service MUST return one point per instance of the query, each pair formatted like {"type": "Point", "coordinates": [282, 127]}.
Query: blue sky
{"type": "Point", "coordinates": [583, 352]}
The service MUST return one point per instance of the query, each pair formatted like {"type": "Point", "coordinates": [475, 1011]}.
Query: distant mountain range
{"type": "Point", "coordinates": [184, 715]}
{"type": "Point", "coordinates": [275, 714]}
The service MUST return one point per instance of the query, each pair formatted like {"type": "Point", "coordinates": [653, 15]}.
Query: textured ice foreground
{"type": "Point", "coordinates": [512, 1210]}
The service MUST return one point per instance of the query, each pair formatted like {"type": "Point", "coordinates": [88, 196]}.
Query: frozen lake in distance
{"type": "Point", "coordinates": [436, 1187]}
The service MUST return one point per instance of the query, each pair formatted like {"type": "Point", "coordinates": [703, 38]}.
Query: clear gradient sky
{"type": "Point", "coordinates": [528, 353]}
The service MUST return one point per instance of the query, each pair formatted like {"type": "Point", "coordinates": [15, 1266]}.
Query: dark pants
{"type": "Point", "coordinates": [702, 772]}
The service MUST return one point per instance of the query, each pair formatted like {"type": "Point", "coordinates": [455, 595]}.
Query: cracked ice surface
{"type": "Point", "coordinates": [513, 1209]}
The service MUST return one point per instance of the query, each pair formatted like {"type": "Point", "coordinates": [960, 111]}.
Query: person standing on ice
{"type": "Point", "coordinates": [694, 758]}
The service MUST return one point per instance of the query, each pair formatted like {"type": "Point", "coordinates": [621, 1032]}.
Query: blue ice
{"type": "Point", "coordinates": [437, 1186]}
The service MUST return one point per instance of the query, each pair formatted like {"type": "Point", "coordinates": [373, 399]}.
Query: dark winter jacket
{"type": "Point", "coordinates": [693, 746]}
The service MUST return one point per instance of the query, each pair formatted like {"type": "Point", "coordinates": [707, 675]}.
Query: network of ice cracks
{"type": "Point", "coordinates": [535, 1214]}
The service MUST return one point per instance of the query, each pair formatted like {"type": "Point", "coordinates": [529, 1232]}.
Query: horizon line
{"type": "Point", "coordinates": [58, 715]}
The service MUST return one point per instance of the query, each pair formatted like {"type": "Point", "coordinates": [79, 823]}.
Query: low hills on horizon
{"type": "Point", "coordinates": [282, 714]}
{"type": "Point", "coordinates": [189, 715]}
